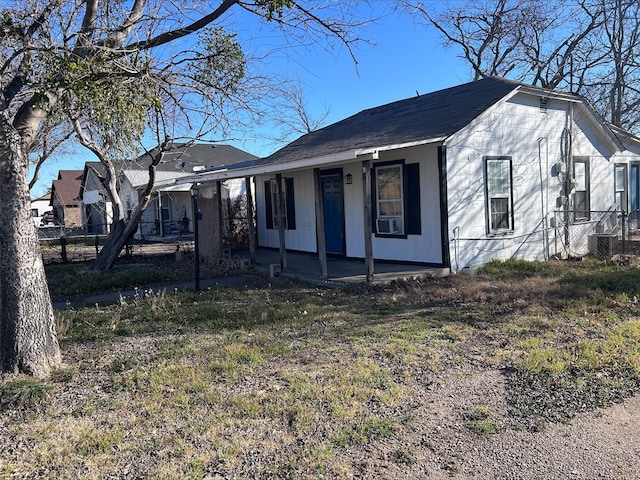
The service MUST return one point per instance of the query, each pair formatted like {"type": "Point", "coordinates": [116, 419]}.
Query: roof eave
{"type": "Point", "coordinates": [303, 163]}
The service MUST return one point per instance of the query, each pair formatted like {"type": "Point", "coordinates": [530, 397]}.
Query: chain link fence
{"type": "Point", "coordinates": [63, 244]}
{"type": "Point", "coordinates": [602, 234]}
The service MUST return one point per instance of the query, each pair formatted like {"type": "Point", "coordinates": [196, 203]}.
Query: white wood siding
{"type": "Point", "coordinates": [424, 248]}
{"type": "Point", "coordinates": [533, 138]}
{"type": "Point", "coordinates": [303, 238]}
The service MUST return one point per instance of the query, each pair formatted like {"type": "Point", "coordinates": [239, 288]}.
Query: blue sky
{"type": "Point", "coordinates": [407, 57]}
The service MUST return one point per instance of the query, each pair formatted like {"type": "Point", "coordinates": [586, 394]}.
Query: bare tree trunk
{"type": "Point", "coordinates": [28, 342]}
{"type": "Point", "coordinates": [116, 241]}
{"type": "Point", "coordinates": [123, 230]}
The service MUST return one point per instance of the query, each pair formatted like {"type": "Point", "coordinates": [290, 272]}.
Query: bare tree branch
{"type": "Point", "coordinates": [590, 46]}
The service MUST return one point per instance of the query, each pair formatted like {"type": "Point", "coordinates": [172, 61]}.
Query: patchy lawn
{"type": "Point", "coordinates": [277, 379]}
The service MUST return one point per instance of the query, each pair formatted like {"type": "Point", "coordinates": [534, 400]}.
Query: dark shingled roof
{"type": "Point", "coordinates": [193, 155]}
{"type": "Point", "coordinates": [432, 115]}
{"type": "Point", "coordinates": [67, 187]}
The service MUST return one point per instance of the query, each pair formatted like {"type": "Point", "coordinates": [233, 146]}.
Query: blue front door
{"type": "Point", "coordinates": [333, 213]}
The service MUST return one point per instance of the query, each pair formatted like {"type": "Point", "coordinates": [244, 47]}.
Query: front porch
{"type": "Point", "coordinates": [306, 266]}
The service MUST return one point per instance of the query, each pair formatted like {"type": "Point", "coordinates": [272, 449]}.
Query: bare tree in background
{"type": "Point", "coordinates": [294, 116]}
{"type": "Point", "coordinates": [588, 47]}
{"type": "Point", "coordinates": [617, 92]}
{"type": "Point", "coordinates": [49, 141]}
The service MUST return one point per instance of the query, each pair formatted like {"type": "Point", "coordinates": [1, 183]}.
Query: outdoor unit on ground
{"type": "Point", "coordinates": [602, 245]}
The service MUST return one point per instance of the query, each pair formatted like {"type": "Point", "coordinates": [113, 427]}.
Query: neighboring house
{"type": "Point", "coordinates": [170, 210]}
{"type": "Point", "coordinates": [39, 206]}
{"type": "Point", "coordinates": [65, 194]}
{"type": "Point", "coordinates": [96, 206]}
{"type": "Point", "coordinates": [491, 169]}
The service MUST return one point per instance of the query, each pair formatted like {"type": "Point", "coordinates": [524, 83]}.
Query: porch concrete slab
{"type": "Point", "coordinates": [306, 266]}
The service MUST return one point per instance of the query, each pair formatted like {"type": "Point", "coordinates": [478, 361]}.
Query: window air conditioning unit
{"type": "Point", "coordinates": [389, 225]}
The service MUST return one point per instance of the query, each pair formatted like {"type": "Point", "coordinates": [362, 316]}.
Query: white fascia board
{"type": "Point", "coordinates": [172, 188]}
{"type": "Point", "coordinates": [627, 138]}
{"type": "Point", "coordinates": [268, 168]}
{"type": "Point", "coordinates": [538, 92]}
{"type": "Point", "coordinates": [397, 146]}
{"type": "Point", "coordinates": [607, 133]}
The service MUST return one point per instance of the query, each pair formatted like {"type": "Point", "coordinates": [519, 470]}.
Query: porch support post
{"type": "Point", "coordinates": [161, 222]}
{"type": "Point", "coordinates": [220, 229]}
{"type": "Point", "coordinates": [281, 219]}
{"type": "Point", "coordinates": [322, 244]}
{"type": "Point", "coordinates": [250, 224]}
{"type": "Point", "coordinates": [196, 243]}
{"type": "Point", "coordinates": [368, 227]}
{"type": "Point", "coordinates": [444, 208]}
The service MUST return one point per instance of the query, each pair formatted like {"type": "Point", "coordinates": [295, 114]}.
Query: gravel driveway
{"type": "Point", "coordinates": [602, 444]}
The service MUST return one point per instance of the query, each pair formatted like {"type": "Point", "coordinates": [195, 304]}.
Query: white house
{"type": "Point", "coordinates": [39, 206]}
{"type": "Point", "coordinates": [491, 169]}
{"type": "Point", "coordinates": [96, 208]}
{"type": "Point", "coordinates": [170, 212]}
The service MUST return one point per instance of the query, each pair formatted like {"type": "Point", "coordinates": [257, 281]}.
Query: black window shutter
{"type": "Point", "coordinates": [374, 202]}
{"type": "Point", "coordinates": [268, 210]}
{"type": "Point", "coordinates": [291, 206]}
{"type": "Point", "coordinates": [412, 199]}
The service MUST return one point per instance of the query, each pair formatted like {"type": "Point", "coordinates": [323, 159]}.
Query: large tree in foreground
{"type": "Point", "coordinates": [106, 67]}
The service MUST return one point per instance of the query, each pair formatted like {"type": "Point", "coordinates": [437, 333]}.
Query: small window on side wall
{"type": "Point", "coordinates": [499, 194]}
{"type": "Point", "coordinates": [620, 186]}
{"type": "Point", "coordinates": [581, 202]}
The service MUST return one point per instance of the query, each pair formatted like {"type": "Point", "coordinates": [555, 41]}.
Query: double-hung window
{"type": "Point", "coordinates": [620, 186]}
{"type": "Point", "coordinates": [275, 202]}
{"type": "Point", "coordinates": [499, 194]}
{"type": "Point", "coordinates": [272, 204]}
{"type": "Point", "coordinates": [395, 188]}
{"type": "Point", "coordinates": [581, 207]}
{"type": "Point", "coordinates": [389, 200]}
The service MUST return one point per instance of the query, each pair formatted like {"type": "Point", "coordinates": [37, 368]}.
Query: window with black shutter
{"type": "Point", "coordinates": [272, 204]}
{"type": "Point", "coordinates": [396, 199]}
